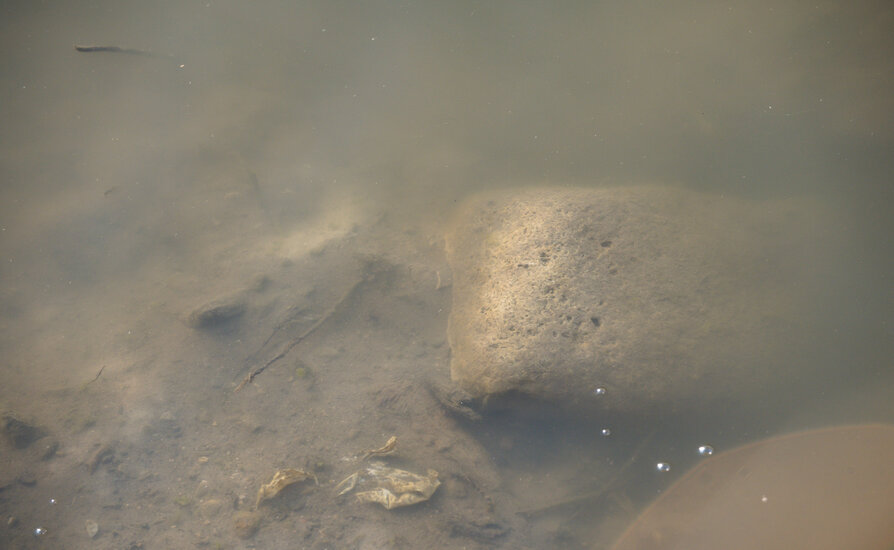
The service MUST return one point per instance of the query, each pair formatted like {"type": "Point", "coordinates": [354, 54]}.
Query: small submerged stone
{"type": "Point", "coordinates": [216, 314]}
{"type": "Point", "coordinates": [246, 524]}
{"type": "Point", "coordinates": [92, 528]}
{"type": "Point", "coordinates": [20, 432]}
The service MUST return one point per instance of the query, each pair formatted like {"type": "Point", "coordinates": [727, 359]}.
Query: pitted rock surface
{"type": "Point", "coordinates": [658, 294]}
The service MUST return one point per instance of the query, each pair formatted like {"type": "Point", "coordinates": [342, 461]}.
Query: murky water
{"type": "Point", "coordinates": [297, 161]}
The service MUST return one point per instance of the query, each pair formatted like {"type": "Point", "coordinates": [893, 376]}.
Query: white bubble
{"type": "Point", "coordinates": [764, 498]}
{"type": "Point", "coordinates": [39, 532]}
{"type": "Point", "coordinates": [706, 450]}
{"type": "Point", "coordinates": [606, 432]}
{"type": "Point", "coordinates": [599, 391]}
{"type": "Point", "coordinates": [663, 467]}
{"type": "Point", "coordinates": [52, 501]}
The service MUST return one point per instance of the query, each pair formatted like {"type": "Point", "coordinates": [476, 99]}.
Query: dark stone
{"type": "Point", "coordinates": [216, 314]}
{"type": "Point", "coordinates": [20, 433]}
{"type": "Point", "coordinates": [28, 479]}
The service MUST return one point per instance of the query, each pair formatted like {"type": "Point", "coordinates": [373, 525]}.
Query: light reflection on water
{"type": "Point", "coordinates": [261, 150]}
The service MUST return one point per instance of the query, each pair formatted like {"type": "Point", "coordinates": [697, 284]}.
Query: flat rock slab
{"type": "Point", "coordinates": [627, 297]}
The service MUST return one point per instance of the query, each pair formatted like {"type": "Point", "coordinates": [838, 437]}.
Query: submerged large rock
{"type": "Point", "coordinates": [627, 297]}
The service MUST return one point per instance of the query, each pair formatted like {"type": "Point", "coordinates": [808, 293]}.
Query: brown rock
{"type": "Point", "coordinates": [246, 524]}
{"type": "Point", "coordinates": [656, 294]}
{"type": "Point", "coordinates": [216, 314]}
{"type": "Point", "coordinates": [19, 432]}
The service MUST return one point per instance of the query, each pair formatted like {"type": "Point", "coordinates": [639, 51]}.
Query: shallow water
{"type": "Point", "coordinates": [302, 160]}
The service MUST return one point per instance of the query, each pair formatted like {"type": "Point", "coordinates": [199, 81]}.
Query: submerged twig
{"type": "Point", "coordinates": [112, 49]}
{"type": "Point", "coordinates": [329, 313]}
{"type": "Point", "coordinates": [593, 495]}
{"type": "Point", "coordinates": [95, 378]}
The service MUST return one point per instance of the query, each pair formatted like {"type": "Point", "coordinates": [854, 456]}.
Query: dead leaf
{"type": "Point", "coordinates": [395, 488]}
{"type": "Point", "coordinates": [281, 480]}
{"type": "Point", "coordinates": [386, 449]}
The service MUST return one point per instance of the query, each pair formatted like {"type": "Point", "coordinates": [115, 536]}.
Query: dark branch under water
{"type": "Point", "coordinates": [114, 49]}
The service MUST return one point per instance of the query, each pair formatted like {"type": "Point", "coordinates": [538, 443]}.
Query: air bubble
{"type": "Point", "coordinates": [599, 391]}
{"type": "Point", "coordinates": [663, 467]}
{"type": "Point", "coordinates": [52, 501]}
{"type": "Point", "coordinates": [706, 450]}
{"type": "Point", "coordinates": [606, 432]}
{"type": "Point", "coordinates": [39, 532]}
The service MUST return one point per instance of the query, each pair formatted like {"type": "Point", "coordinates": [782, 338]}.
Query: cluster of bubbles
{"type": "Point", "coordinates": [40, 531]}
{"type": "Point", "coordinates": [706, 450]}
{"type": "Point", "coordinates": [703, 450]}
{"type": "Point", "coordinates": [599, 392]}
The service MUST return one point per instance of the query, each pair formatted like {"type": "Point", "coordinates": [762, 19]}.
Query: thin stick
{"type": "Point", "coordinates": [329, 313]}
{"type": "Point", "coordinates": [112, 49]}
{"type": "Point", "coordinates": [591, 496]}
{"type": "Point", "coordinates": [95, 378]}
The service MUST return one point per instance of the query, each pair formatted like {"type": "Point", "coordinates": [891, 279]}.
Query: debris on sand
{"type": "Point", "coordinates": [281, 480]}
{"type": "Point", "coordinates": [391, 487]}
{"type": "Point", "coordinates": [387, 449]}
